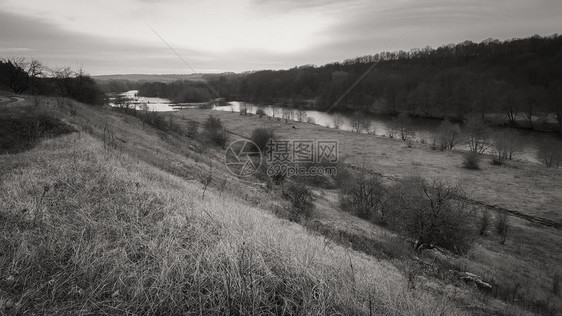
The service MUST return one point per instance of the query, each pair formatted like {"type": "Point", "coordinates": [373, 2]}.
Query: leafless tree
{"type": "Point", "coordinates": [448, 135]}
{"type": "Point", "coordinates": [301, 116]}
{"type": "Point", "coordinates": [402, 125]}
{"type": "Point", "coordinates": [338, 121]}
{"type": "Point", "coordinates": [431, 213]}
{"type": "Point", "coordinates": [477, 134]}
{"type": "Point", "coordinates": [20, 74]}
{"type": "Point", "coordinates": [505, 144]}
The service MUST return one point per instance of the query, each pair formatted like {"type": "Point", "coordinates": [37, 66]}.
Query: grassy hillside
{"type": "Point", "coordinates": [89, 229]}
{"type": "Point", "coordinates": [111, 219]}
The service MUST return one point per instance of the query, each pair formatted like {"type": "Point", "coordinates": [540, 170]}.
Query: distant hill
{"type": "Point", "coordinates": [149, 78]}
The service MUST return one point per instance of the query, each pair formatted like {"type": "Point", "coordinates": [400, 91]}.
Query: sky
{"type": "Point", "coordinates": [132, 36]}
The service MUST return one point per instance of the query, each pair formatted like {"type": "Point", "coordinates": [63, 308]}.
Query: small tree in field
{"type": "Point", "coordinates": [433, 214]}
{"type": "Point", "coordinates": [301, 116]}
{"type": "Point", "coordinates": [403, 127]}
{"type": "Point", "coordinates": [477, 134]}
{"type": "Point", "coordinates": [448, 135]}
{"type": "Point", "coordinates": [338, 121]}
{"type": "Point", "coordinates": [505, 145]}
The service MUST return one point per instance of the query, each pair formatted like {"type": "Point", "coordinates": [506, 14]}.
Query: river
{"type": "Point", "coordinates": [424, 128]}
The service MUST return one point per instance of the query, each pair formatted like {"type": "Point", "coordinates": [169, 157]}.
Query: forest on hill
{"type": "Point", "coordinates": [520, 79]}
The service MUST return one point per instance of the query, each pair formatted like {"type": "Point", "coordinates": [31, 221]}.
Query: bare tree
{"type": "Point", "coordinates": [63, 78]}
{"type": "Point", "coordinates": [448, 135]}
{"type": "Point", "coordinates": [338, 121]}
{"type": "Point", "coordinates": [505, 145]}
{"type": "Point", "coordinates": [431, 213]}
{"type": "Point", "coordinates": [403, 126]}
{"type": "Point", "coordinates": [476, 134]}
{"type": "Point", "coordinates": [19, 74]}
{"type": "Point", "coordinates": [362, 196]}
{"type": "Point", "coordinates": [301, 116]}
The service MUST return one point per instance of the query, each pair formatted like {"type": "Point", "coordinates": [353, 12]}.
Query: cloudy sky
{"type": "Point", "coordinates": [110, 36]}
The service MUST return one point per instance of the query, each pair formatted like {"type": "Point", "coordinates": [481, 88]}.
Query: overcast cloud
{"type": "Point", "coordinates": [108, 37]}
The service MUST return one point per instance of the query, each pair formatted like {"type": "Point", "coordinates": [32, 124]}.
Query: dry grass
{"type": "Point", "coordinates": [531, 255]}
{"type": "Point", "coordinates": [88, 228]}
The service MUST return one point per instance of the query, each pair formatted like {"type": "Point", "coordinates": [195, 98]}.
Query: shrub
{"type": "Point", "coordinates": [505, 145]}
{"type": "Point", "coordinates": [549, 152]}
{"type": "Point", "coordinates": [472, 161]}
{"type": "Point", "coordinates": [261, 137]}
{"type": "Point", "coordinates": [301, 199]}
{"type": "Point", "coordinates": [484, 222]}
{"type": "Point", "coordinates": [402, 126]}
{"type": "Point", "coordinates": [213, 123]}
{"type": "Point", "coordinates": [192, 130]}
{"type": "Point", "coordinates": [502, 224]}
{"type": "Point", "coordinates": [433, 214]}
{"type": "Point", "coordinates": [220, 137]}
{"type": "Point", "coordinates": [215, 131]}
{"type": "Point", "coordinates": [260, 112]}
{"type": "Point", "coordinates": [362, 196]}
{"type": "Point", "coordinates": [477, 134]}
{"type": "Point", "coordinates": [448, 135]}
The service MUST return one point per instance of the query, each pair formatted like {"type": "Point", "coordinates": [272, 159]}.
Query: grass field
{"type": "Point", "coordinates": [111, 219]}
{"type": "Point", "coordinates": [529, 261]}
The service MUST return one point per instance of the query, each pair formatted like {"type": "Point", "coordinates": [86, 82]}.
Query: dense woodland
{"type": "Point", "coordinates": [30, 76]}
{"type": "Point", "coordinates": [519, 79]}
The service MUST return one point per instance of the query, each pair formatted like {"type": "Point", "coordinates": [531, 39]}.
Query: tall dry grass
{"type": "Point", "coordinates": [88, 230]}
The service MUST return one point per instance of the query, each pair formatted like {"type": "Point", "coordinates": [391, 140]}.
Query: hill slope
{"type": "Point", "coordinates": [92, 223]}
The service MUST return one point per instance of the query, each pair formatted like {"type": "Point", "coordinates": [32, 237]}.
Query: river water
{"type": "Point", "coordinates": [424, 128]}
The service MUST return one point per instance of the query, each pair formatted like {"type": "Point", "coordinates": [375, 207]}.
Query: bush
{"type": "Point", "coordinates": [477, 134]}
{"type": "Point", "coordinates": [505, 145]}
{"type": "Point", "coordinates": [213, 123]}
{"type": "Point", "coordinates": [301, 199]}
{"type": "Point", "coordinates": [361, 196]}
{"type": "Point", "coordinates": [472, 161]}
{"type": "Point", "coordinates": [192, 130]}
{"type": "Point", "coordinates": [502, 224]}
{"type": "Point", "coordinates": [215, 131]}
{"type": "Point", "coordinates": [260, 112]}
{"type": "Point", "coordinates": [261, 137]}
{"type": "Point", "coordinates": [448, 135]}
{"type": "Point", "coordinates": [484, 222]}
{"type": "Point", "coordinates": [402, 126]}
{"type": "Point", "coordinates": [549, 152]}
{"type": "Point", "coordinates": [432, 214]}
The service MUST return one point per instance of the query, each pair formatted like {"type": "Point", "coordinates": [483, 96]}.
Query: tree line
{"type": "Point", "coordinates": [518, 81]}
{"type": "Point", "coordinates": [23, 75]}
